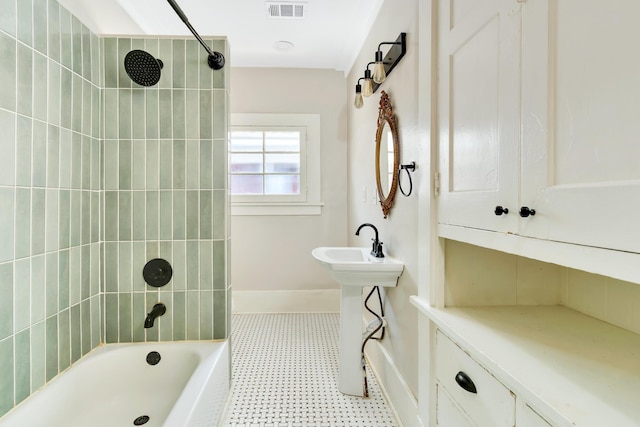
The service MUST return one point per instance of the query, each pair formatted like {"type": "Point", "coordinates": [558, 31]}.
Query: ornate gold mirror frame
{"type": "Point", "coordinates": [386, 117]}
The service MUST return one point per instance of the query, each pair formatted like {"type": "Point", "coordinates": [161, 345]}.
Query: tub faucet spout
{"type": "Point", "coordinates": [158, 310]}
{"type": "Point", "coordinates": [376, 249]}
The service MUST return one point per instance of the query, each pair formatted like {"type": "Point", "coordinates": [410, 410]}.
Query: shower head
{"type": "Point", "coordinates": [142, 67]}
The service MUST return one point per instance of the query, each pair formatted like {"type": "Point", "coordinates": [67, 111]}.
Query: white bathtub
{"type": "Point", "coordinates": [114, 385]}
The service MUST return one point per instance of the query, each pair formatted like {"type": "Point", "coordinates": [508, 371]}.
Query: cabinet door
{"type": "Point", "coordinates": [581, 122]}
{"type": "Point", "coordinates": [479, 110]}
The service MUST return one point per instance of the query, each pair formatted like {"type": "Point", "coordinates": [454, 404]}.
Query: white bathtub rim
{"type": "Point", "coordinates": [184, 408]}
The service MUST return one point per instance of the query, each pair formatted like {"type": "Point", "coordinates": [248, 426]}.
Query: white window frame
{"type": "Point", "coordinates": [308, 201]}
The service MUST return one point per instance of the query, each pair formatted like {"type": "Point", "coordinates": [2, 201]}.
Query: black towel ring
{"type": "Point", "coordinates": [410, 167]}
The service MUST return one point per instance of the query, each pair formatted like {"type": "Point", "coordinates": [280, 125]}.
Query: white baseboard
{"type": "Point", "coordinates": [312, 301]}
{"type": "Point", "coordinates": [393, 386]}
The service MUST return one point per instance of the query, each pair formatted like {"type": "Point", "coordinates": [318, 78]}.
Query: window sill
{"type": "Point", "coordinates": [275, 209]}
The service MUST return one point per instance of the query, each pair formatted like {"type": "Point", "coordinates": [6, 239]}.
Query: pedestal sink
{"type": "Point", "coordinates": [355, 268]}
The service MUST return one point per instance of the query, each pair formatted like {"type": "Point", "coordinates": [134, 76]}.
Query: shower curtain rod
{"type": "Point", "coordinates": [215, 59]}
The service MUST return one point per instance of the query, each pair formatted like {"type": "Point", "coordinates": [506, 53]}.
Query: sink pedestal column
{"type": "Point", "coordinates": [350, 373]}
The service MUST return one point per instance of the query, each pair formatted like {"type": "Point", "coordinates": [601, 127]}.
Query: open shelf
{"type": "Point", "coordinates": [607, 262]}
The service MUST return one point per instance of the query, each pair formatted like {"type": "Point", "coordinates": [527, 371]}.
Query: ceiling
{"type": "Point", "coordinates": [330, 34]}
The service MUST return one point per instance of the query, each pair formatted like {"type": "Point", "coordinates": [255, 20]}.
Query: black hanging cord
{"type": "Point", "coordinates": [408, 167]}
{"type": "Point", "coordinates": [379, 317]}
{"type": "Point", "coordinates": [372, 333]}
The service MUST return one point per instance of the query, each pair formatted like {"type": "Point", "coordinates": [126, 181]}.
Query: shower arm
{"type": "Point", "coordinates": [216, 57]}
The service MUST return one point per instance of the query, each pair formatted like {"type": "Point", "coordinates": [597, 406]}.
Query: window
{"type": "Point", "coordinates": [274, 164]}
{"type": "Point", "coordinates": [266, 162]}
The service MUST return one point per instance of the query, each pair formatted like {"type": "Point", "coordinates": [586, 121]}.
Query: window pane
{"type": "Point", "coordinates": [246, 184]}
{"type": "Point", "coordinates": [282, 184]}
{"type": "Point", "coordinates": [282, 163]}
{"type": "Point", "coordinates": [390, 152]}
{"type": "Point", "coordinates": [246, 141]}
{"type": "Point", "coordinates": [245, 163]}
{"type": "Point", "coordinates": [282, 141]}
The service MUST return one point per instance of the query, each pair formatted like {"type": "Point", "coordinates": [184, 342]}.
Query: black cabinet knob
{"type": "Point", "coordinates": [500, 210]}
{"type": "Point", "coordinates": [465, 382]}
{"type": "Point", "coordinates": [525, 212]}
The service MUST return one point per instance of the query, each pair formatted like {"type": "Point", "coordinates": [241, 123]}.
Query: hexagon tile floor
{"type": "Point", "coordinates": [284, 375]}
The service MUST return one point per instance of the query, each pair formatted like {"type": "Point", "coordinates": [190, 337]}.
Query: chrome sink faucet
{"type": "Point", "coordinates": [376, 249]}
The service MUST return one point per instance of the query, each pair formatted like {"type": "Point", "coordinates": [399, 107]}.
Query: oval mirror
{"type": "Point", "coordinates": [387, 154]}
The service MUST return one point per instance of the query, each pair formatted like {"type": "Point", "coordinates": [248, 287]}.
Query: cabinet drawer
{"type": "Point", "coordinates": [530, 418]}
{"type": "Point", "coordinates": [448, 414]}
{"type": "Point", "coordinates": [492, 404]}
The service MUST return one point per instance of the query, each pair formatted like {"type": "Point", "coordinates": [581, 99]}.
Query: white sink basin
{"type": "Point", "coordinates": [357, 267]}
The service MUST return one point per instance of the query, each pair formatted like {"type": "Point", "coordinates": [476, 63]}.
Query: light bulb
{"type": "Point", "coordinates": [358, 103]}
{"type": "Point", "coordinates": [367, 88]}
{"type": "Point", "coordinates": [379, 75]}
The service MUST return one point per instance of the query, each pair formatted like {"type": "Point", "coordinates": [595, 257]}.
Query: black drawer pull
{"type": "Point", "coordinates": [465, 382]}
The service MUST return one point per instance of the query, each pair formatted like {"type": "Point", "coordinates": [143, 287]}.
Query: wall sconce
{"type": "Point", "coordinates": [358, 103]}
{"type": "Point", "coordinates": [382, 67]}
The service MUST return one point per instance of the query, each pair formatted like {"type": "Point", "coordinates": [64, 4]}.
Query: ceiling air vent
{"type": "Point", "coordinates": [286, 9]}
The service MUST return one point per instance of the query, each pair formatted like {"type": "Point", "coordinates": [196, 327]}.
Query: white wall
{"type": "Point", "coordinates": [399, 231]}
{"type": "Point", "coordinates": [273, 253]}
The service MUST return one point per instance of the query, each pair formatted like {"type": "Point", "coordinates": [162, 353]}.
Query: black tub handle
{"type": "Point", "coordinates": [465, 382]}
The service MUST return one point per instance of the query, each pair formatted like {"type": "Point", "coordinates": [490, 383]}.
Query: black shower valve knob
{"type": "Point", "coordinates": [157, 272]}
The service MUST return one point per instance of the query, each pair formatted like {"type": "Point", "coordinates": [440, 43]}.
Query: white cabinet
{"type": "Point", "coordinates": [560, 367]}
{"type": "Point", "coordinates": [538, 107]}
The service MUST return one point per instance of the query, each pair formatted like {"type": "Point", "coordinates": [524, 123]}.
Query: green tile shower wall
{"type": "Point", "coordinates": [50, 194]}
{"type": "Point", "coordinates": [165, 192]}
{"type": "Point", "coordinates": [97, 175]}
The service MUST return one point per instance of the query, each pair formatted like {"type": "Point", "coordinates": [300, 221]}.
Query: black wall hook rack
{"type": "Point", "coordinates": [409, 167]}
